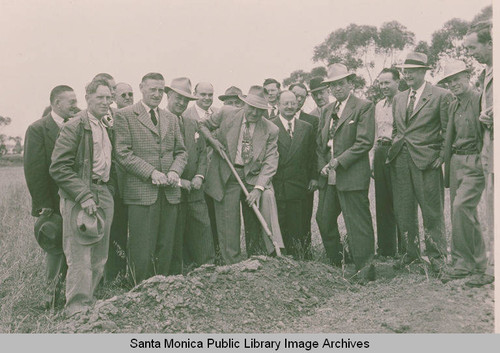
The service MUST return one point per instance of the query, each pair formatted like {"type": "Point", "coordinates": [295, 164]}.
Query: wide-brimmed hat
{"type": "Point", "coordinates": [255, 97]}
{"type": "Point", "coordinates": [415, 60]}
{"type": "Point", "coordinates": [337, 72]}
{"type": "Point", "coordinates": [452, 68]}
{"type": "Point", "coordinates": [317, 84]}
{"type": "Point", "coordinates": [181, 85]}
{"type": "Point", "coordinates": [231, 92]}
{"type": "Point", "coordinates": [87, 229]}
{"type": "Point", "coordinates": [48, 233]}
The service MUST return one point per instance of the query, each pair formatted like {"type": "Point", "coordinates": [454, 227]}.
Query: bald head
{"type": "Point", "coordinates": [205, 92]}
{"type": "Point", "coordinates": [287, 104]}
{"type": "Point", "coordinates": [124, 95]}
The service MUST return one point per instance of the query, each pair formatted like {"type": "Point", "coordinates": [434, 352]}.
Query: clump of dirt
{"type": "Point", "coordinates": [261, 294]}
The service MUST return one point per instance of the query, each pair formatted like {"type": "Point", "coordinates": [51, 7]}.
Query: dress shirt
{"type": "Point", "coordinates": [270, 109]}
{"type": "Point", "coordinates": [383, 119]}
{"type": "Point", "coordinates": [238, 159]}
{"type": "Point", "coordinates": [417, 95]}
{"type": "Point", "coordinates": [465, 124]}
{"type": "Point", "coordinates": [285, 123]}
{"type": "Point", "coordinates": [57, 118]}
{"type": "Point", "coordinates": [101, 165]}
{"type": "Point", "coordinates": [148, 110]}
{"type": "Point", "coordinates": [202, 113]}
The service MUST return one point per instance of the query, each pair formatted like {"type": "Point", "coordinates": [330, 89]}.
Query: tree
{"type": "Point", "coordinates": [485, 14]}
{"type": "Point", "coordinates": [393, 37]}
{"type": "Point", "coordinates": [305, 77]}
{"type": "Point", "coordinates": [18, 148]}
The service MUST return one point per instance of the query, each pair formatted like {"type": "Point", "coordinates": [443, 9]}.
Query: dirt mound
{"type": "Point", "coordinates": [260, 294]}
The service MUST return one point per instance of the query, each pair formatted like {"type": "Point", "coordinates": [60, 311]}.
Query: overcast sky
{"type": "Point", "coordinates": [226, 42]}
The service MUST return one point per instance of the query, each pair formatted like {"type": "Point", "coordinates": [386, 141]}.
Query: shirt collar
{"type": "Point", "coordinates": [388, 102]}
{"type": "Point", "coordinates": [57, 118]}
{"type": "Point", "coordinates": [285, 122]}
{"type": "Point", "coordinates": [202, 112]}
{"type": "Point", "coordinates": [419, 90]}
{"type": "Point", "coordinates": [148, 109]}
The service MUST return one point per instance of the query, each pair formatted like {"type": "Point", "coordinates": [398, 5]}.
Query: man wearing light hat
{"type": "Point", "coordinates": [251, 145]}
{"type": "Point", "coordinates": [150, 147]}
{"type": "Point", "coordinates": [464, 174]}
{"type": "Point", "coordinates": [231, 97]}
{"type": "Point", "coordinates": [194, 243]}
{"type": "Point", "coordinates": [82, 168]}
{"type": "Point", "coordinates": [344, 141]}
{"type": "Point", "coordinates": [420, 118]}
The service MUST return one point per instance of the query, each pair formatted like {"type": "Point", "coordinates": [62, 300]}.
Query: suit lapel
{"type": "Point", "coordinates": [51, 128]}
{"type": "Point", "coordinates": [346, 113]}
{"type": "Point", "coordinates": [424, 98]}
{"type": "Point", "coordinates": [189, 130]}
{"type": "Point", "coordinates": [326, 125]}
{"type": "Point", "coordinates": [144, 117]}
{"type": "Point", "coordinates": [298, 136]}
{"type": "Point", "coordinates": [233, 134]}
{"type": "Point", "coordinates": [283, 136]}
{"type": "Point", "coordinates": [163, 121]}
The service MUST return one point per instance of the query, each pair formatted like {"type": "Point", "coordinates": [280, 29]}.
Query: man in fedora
{"type": "Point", "coordinates": [479, 44]}
{"type": "Point", "coordinates": [416, 155]}
{"type": "Point", "coordinates": [150, 148]}
{"type": "Point", "coordinates": [194, 243]}
{"type": "Point", "coordinates": [464, 174]}
{"type": "Point", "coordinates": [251, 145]}
{"type": "Point", "coordinates": [232, 97]}
{"type": "Point", "coordinates": [320, 94]}
{"type": "Point", "coordinates": [82, 168]}
{"type": "Point", "coordinates": [343, 144]}
{"type": "Point", "coordinates": [38, 146]}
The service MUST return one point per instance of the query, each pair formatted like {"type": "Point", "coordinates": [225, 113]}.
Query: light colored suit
{"type": "Point", "coordinates": [223, 187]}
{"type": "Point", "coordinates": [141, 147]}
{"type": "Point", "coordinates": [417, 143]}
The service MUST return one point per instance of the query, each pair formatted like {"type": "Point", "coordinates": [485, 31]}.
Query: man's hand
{"type": "Point", "coordinates": [186, 184]}
{"type": "Point", "coordinates": [313, 185]}
{"type": "Point", "coordinates": [89, 206]}
{"type": "Point", "coordinates": [158, 178]}
{"type": "Point", "coordinates": [172, 178]}
{"type": "Point", "coordinates": [196, 183]}
{"type": "Point", "coordinates": [254, 197]}
{"type": "Point", "coordinates": [334, 163]}
{"type": "Point", "coordinates": [325, 170]}
{"type": "Point", "coordinates": [437, 163]}
{"type": "Point", "coordinates": [46, 211]}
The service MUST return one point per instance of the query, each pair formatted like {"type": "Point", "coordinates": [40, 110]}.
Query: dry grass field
{"type": "Point", "coordinates": [396, 302]}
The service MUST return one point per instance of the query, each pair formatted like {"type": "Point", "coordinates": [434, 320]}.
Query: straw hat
{"type": "Point", "coordinates": [337, 72]}
{"type": "Point", "coordinates": [452, 68]}
{"type": "Point", "coordinates": [415, 60]}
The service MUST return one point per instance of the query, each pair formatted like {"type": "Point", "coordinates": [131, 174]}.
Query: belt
{"type": "Point", "coordinates": [464, 152]}
{"type": "Point", "coordinates": [384, 142]}
{"type": "Point", "coordinates": [99, 182]}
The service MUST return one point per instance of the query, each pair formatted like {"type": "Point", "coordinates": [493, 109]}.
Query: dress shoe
{"type": "Point", "coordinates": [453, 274]}
{"type": "Point", "coordinates": [479, 280]}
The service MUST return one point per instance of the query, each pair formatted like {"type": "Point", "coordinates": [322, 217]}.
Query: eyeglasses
{"type": "Point", "coordinates": [124, 95]}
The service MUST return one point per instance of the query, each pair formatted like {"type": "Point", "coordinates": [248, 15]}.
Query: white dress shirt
{"type": "Point", "coordinates": [101, 166]}
{"type": "Point", "coordinates": [417, 95]}
{"type": "Point", "coordinates": [57, 118]}
{"type": "Point", "coordinates": [285, 123]}
{"type": "Point", "coordinates": [202, 114]}
{"type": "Point", "coordinates": [383, 120]}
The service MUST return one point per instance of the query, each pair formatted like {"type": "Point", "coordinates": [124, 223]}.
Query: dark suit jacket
{"type": "Point", "coordinates": [314, 121]}
{"type": "Point", "coordinates": [295, 167]}
{"type": "Point", "coordinates": [260, 170]}
{"type": "Point", "coordinates": [352, 140]}
{"type": "Point", "coordinates": [425, 132]}
{"type": "Point", "coordinates": [197, 158]}
{"type": "Point", "coordinates": [141, 148]}
{"type": "Point", "coordinates": [475, 100]}
{"type": "Point", "coordinates": [38, 146]}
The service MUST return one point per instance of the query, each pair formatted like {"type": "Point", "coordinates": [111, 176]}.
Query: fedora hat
{"type": "Point", "coordinates": [231, 92]}
{"type": "Point", "coordinates": [452, 68]}
{"type": "Point", "coordinates": [181, 85]}
{"type": "Point", "coordinates": [337, 72]}
{"type": "Point", "coordinates": [48, 233]}
{"type": "Point", "coordinates": [317, 84]}
{"type": "Point", "coordinates": [255, 97]}
{"type": "Point", "coordinates": [88, 229]}
{"type": "Point", "coordinates": [415, 60]}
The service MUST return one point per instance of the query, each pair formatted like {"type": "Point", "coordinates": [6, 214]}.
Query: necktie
{"type": "Point", "coordinates": [290, 132]}
{"type": "Point", "coordinates": [334, 120]}
{"type": "Point", "coordinates": [246, 144]}
{"type": "Point", "coordinates": [181, 125]}
{"type": "Point", "coordinates": [411, 105]}
{"type": "Point", "coordinates": [153, 117]}
{"type": "Point", "coordinates": [273, 112]}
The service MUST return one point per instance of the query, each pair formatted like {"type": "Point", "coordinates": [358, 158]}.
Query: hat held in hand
{"type": "Point", "coordinates": [88, 229]}
{"type": "Point", "coordinates": [48, 233]}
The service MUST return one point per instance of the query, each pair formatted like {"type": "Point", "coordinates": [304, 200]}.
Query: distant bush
{"type": "Point", "coordinates": [11, 160]}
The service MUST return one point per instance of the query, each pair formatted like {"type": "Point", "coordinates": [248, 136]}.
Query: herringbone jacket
{"type": "Point", "coordinates": [141, 147]}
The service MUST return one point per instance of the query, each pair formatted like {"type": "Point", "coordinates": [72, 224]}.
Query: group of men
{"type": "Point", "coordinates": [144, 190]}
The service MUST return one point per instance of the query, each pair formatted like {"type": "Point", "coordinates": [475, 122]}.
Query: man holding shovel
{"type": "Point", "coordinates": [247, 142]}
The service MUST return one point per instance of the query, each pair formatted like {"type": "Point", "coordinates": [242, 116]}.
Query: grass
{"type": "Point", "coordinates": [22, 261]}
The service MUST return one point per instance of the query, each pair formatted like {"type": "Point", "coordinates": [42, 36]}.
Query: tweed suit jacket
{"type": "Point", "coordinates": [264, 163]}
{"type": "Point", "coordinates": [297, 157]}
{"type": "Point", "coordinates": [451, 133]}
{"type": "Point", "coordinates": [38, 146]}
{"type": "Point", "coordinates": [352, 140]}
{"type": "Point", "coordinates": [141, 147]}
{"type": "Point", "coordinates": [426, 128]}
{"type": "Point", "coordinates": [196, 148]}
